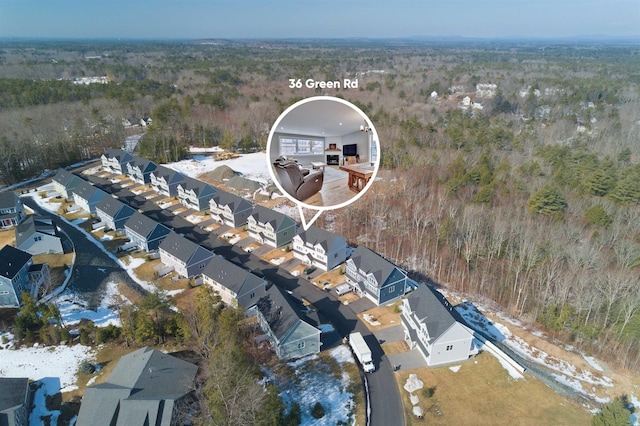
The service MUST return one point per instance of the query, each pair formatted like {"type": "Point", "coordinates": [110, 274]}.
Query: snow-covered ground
{"type": "Point", "coordinates": [314, 382]}
{"type": "Point", "coordinates": [252, 166]}
{"type": "Point", "coordinates": [73, 308]}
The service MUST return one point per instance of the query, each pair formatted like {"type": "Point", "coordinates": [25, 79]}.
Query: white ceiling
{"type": "Point", "coordinates": [321, 117]}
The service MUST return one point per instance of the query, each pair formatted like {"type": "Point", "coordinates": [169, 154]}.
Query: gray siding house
{"type": "Point", "coordinates": [115, 160]}
{"type": "Point", "coordinates": [38, 235]}
{"type": "Point", "coordinates": [195, 194]}
{"type": "Point", "coordinates": [139, 169]}
{"type": "Point", "coordinates": [11, 210]}
{"type": "Point", "coordinates": [165, 181]}
{"type": "Point", "coordinates": [15, 398]}
{"type": "Point", "coordinates": [235, 285]}
{"type": "Point", "coordinates": [113, 213]}
{"type": "Point", "coordinates": [146, 387]}
{"type": "Point", "coordinates": [18, 273]}
{"type": "Point", "coordinates": [270, 227]}
{"type": "Point", "coordinates": [432, 325]}
{"type": "Point", "coordinates": [64, 182]}
{"type": "Point", "coordinates": [87, 196]}
{"type": "Point", "coordinates": [230, 209]}
{"type": "Point", "coordinates": [320, 248]}
{"type": "Point", "coordinates": [144, 232]}
{"type": "Point", "coordinates": [187, 258]}
{"type": "Point", "coordinates": [283, 319]}
{"type": "Point", "coordinates": [373, 276]}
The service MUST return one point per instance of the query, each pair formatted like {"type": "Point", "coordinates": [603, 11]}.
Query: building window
{"type": "Point", "coordinates": [449, 347]}
{"type": "Point", "coordinates": [301, 345]}
{"type": "Point", "coordinates": [252, 295]}
{"type": "Point", "coordinates": [392, 289]}
{"type": "Point", "coordinates": [37, 238]}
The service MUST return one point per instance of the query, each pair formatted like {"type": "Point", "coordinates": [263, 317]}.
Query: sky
{"type": "Point", "coordinates": [196, 19]}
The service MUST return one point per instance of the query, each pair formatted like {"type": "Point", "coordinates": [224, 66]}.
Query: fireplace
{"type": "Point", "coordinates": [333, 160]}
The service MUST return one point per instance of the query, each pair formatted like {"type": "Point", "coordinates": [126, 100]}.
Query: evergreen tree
{"type": "Point", "coordinates": [547, 200]}
{"type": "Point", "coordinates": [615, 413]}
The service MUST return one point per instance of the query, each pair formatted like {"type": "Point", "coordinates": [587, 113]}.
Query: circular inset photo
{"type": "Point", "coordinates": [323, 153]}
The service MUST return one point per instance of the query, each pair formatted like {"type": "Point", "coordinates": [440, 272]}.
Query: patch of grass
{"type": "Point", "coordinates": [482, 392]}
{"type": "Point", "coordinates": [7, 237]}
{"type": "Point", "coordinates": [385, 315]}
{"type": "Point", "coordinates": [333, 277]}
{"type": "Point", "coordinates": [395, 347]}
{"type": "Point", "coordinates": [54, 260]}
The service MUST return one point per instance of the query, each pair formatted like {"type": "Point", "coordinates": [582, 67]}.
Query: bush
{"type": "Point", "coordinates": [87, 368]}
{"type": "Point", "coordinates": [294, 418]}
{"type": "Point", "coordinates": [317, 412]}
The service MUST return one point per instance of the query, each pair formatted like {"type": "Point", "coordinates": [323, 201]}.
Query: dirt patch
{"type": "Point", "coordinates": [276, 254]}
{"type": "Point", "coordinates": [482, 392]}
{"type": "Point", "coordinates": [7, 237]}
{"type": "Point", "coordinates": [395, 347]}
{"type": "Point", "coordinates": [381, 317]}
{"type": "Point", "coordinates": [334, 277]}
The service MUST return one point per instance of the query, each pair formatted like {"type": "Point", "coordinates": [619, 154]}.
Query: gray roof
{"type": "Point", "coordinates": [372, 263]}
{"type": "Point", "coordinates": [185, 250]}
{"type": "Point", "coordinates": [65, 178]}
{"type": "Point", "coordinates": [13, 392]}
{"type": "Point", "coordinates": [112, 207]}
{"type": "Point", "coordinates": [276, 219]}
{"type": "Point", "coordinates": [282, 311]}
{"type": "Point", "coordinates": [120, 155]}
{"type": "Point", "coordinates": [169, 175]}
{"type": "Point", "coordinates": [143, 164]}
{"type": "Point", "coordinates": [231, 275]}
{"type": "Point", "coordinates": [142, 225]}
{"type": "Point", "coordinates": [235, 202]}
{"type": "Point", "coordinates": [33, 224]}
{"type": "Point", "coordinates": [12, 260]}
{"type": "Point", "coordinates": [8, 199]}
{"type": "Point", "coordinates": [432, 309]}
{"type": "Point", "coordinates": [199, 187]}
{"type": "Point", "coordinates": [85, 190]}
{"type": "Point", "coordinates": [326, 239]}
{"type": "Point", "coordinates": [140, 390]}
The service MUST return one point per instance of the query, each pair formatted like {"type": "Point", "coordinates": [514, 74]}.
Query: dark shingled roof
{"type": "Point", "coordinates": [65, 178]}
{"type": "Point", "coordinates": [315, 235]}
{"type": "Point", "coordinates": [199, 187]}
{"type": "Point", "coordinates": [33, 224]}
{"type": "Point", "coordinates": [276, 219]}
{"type": "Point", "coordinates": [235, 202]}
{"type": "Point", "coordinates": [432, 309]}
{"type": "Point", "coordinates": [230, 275]}
{"type": "Point", "coordinates": [85, 190]}
{"type": "Point", "coordinates": [142, 387]}
{"type": "Point", "coordinates": [12, 260]}
{"type": "Point", "coordinates": [143, 164]}
{"type": "Point", "coordinates": [282, 311]}
{"type": "Point", "coordinates": [8, 199]}
{"type": "Point", "coordinates": [169, 175]}
{"type": "Point", "coordinates": [184, 249]}
{"type": "Point", "coordinates": [142, 225]}
{"type": "Point", "coordinates": [13, 392]}
{"type": "Point", "coordinates": [112, 207]}
{"type": "Point", "coordinates": [118, 154]}
{"type": "Point", "coordinates": [372, 263]}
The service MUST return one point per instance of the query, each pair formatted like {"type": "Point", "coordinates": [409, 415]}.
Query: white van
{"type": "Point", "coordinates": [343, 289]}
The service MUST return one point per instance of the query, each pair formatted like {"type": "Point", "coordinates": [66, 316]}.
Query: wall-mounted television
{"type": "Point", "coordinates": [350, 150]}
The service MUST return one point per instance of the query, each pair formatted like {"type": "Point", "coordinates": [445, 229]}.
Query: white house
{"type": "Point", "coordinates": [320, 248]}
{"type": "Point", "coordinates": [270, 227]}
{"type": "Point", "coordinates": [38, 235]}
{"type": "Point", "coordinates": [195, 194]}
{"type": "Point", "coordinates": [11, 210]}
{"type": "Point", "coordinates": [187, 258]}
{"type": "Point", "coordinates": [230, 209]}
{"type": "Point", "coordinates": [433, 326]}
{"type": "Point", "coordinates": [165, 181]}
{"type": "Point", "coordinates": [235, 285]}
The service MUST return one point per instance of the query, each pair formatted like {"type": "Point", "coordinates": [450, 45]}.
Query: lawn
{"type": "Point", "coordinates": [482, 392]}
{"type": "Point", "coordinates": [7, 237]}
{"type": "Point", "coordinates": [386, 316]}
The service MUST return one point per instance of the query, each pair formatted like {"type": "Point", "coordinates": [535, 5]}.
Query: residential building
{"type": "Point", "coordinates": [115, 160]}
{"type": "Point", "coordinates": [270, 227]}
{"type": "Point", "coordinates": [320, 248]}
{"type": "Point", "coordinates": [195, 194]}
{"type": "Point", "coordinates": [165, 181]}
{"type": "Point", "coordinates": [433, 326]}
{"type": "Point", "coordinates": [146, 387]}
{"type": "Point", "coordinates": [113, 213]}
{"type": "Point", "coordinates": [230, 209]}
{"type": "Point", "coordinates": [19, 274]}
{"type": "Point", "coordinates": [187, 258]}
{"type": "Point", "coordinates": [139, 169]}
{"type": "Point", "coordinates": [87, 196]}
{"type": "Point", "coordinates": [144, 232]}
{"type": "Point", "coordinates": [64, 182]}
{"type": "Point", "coordinates": [15, 399]}
{"type": "Point", "coordinates": [285, 322]}
{"type": "Point", "coordinates": [235, 285]}
{"type": "Point", "coordinates": [11, 210]}
{"type": "Point", "coordinates": [38, 235]}
{"type": "Point", "coordinates": [373, 276]}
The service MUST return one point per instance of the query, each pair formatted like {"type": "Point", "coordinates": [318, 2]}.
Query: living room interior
{"type": "Point", "coordinates": [314, 148]}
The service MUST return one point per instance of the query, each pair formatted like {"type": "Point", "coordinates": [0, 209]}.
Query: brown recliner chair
{"type": "Point", "coordinates": [293, 179]}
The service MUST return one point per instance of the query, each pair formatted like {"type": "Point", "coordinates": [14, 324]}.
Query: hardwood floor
{"type": "Point", "coordinates": [331, 194]}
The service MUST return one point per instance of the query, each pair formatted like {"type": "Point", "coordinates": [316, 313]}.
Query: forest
{"type": "Point", "coordinates": [510, 171]}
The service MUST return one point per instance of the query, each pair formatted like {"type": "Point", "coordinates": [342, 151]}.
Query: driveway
{"type": "Point", "coordinates": [408, 360]}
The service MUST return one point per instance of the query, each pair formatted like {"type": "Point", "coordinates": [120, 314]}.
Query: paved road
{"type": "Point", "coordinates": [93, 269]}
{"type": "Point", "coordinates": [386, 405]}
